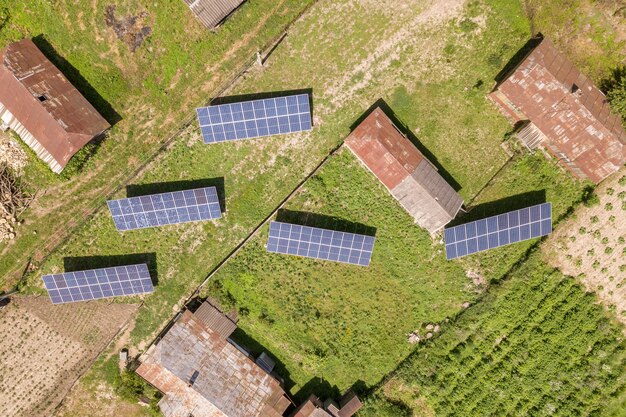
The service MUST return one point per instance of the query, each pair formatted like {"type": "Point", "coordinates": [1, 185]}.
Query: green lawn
{"type": "Point", "coordinates": [342, 322]}
{"type": "Point", "coordinates": [537, 344]}
{"type": "Point", "coordinates": [257, 174]}
{"type": "Point", "coordinates": [151, 92]}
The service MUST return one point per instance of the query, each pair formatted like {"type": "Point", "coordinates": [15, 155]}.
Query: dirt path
{"type": "Point", "coordinates": [401, 39]}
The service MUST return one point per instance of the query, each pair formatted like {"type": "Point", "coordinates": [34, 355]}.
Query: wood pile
{"type": "Point", "coordinates": [12, 202]}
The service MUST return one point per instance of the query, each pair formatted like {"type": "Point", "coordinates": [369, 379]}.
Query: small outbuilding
{"type": "Point", "coordinates": [411, 178]}
{"type": "Point", "coordinates": [213, 12]}
{"type": "Point", "coordinates": [39, 104]}
{"type": "Point", "coordinates": [203, 373]}
{"type": "Point", "coordinates": [348, 405]}
{"type": "Point", "coordinates": [558, 108]}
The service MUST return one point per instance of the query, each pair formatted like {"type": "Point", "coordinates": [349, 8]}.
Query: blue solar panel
{"type": "Point", "coordinates": [316, 243]}
{"type": "Point", "coordinates": [504, 229]}
{"type": "Point", "coordinates": [253, 119]}
{"type": "Point", "coordinates": [94, 284]}
{"type": "Point", "coordinates": [167, 208]}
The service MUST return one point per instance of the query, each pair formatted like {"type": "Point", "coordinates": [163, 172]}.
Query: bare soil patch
{"type": "Point", "coordinates": [592, 245]}
{"type": "Point", "coordinates": [129, 29]}
{"type": "Point", "coordinates": [46, 348]}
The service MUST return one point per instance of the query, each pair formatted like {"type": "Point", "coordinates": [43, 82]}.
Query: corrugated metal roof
{"type": "Point", "coordinates": [349, 404]}
{"type": "Point", "coordinates": [568, 109]}
{"type": "Point", "coordinates": [312, 407]}
{"type": "Point", "coordinates": [402, 168]}
{"type": "Point", "coordinates": [215, 320]}
{"type": "Point", "coordinates": [46, 103]}
{"type": "Point", "coordinates": [212, 12]}
{"type": "Point", "coordinates": [227, 379]}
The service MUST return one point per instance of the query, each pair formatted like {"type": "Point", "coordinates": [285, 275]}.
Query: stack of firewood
{"type": "Point", "coordinates": [13, 201]}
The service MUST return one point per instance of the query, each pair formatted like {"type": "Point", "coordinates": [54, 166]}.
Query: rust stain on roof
{"type": "Point", "coordinates": [227, 382]}
{"type": "Point", "coordinates": [45, 102]}
{"type": "Point", "coordinates": [385, 151]}
{"type": "Point", "coordinates": [568, 109]}
{"type": "Point", "coordinates": [403, 169]}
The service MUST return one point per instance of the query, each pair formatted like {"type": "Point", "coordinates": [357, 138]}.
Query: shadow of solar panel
{"type": "Point", "coordinates": [500, 230]}
{"type": "Point", "coordinates": [167, 208]}
{"type": "Point", "coordinates": [312, 242]}
{"type": "Point", "coordinates": [253, 119]}
{"type": "Point", "coordinates": [95, 284]}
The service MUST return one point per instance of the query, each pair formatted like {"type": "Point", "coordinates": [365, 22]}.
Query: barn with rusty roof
{"type": "Point", "coordinates": [348, 405]}
{"type": "Point", "coordinates": [411, 178]}
{"type": "Point", "coordinates": [213, 12]}
{"type": "Point", "coordinates": [561, 110]}
{"type": "Point", "coordinates": [203, 373]}
{"type": "Point", "coordinates": [39, 104]}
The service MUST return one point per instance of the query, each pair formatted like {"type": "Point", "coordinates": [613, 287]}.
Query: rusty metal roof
{"type": "Point", "coordinates": [401, 167]}
{"type": "Point", "coordinates": [45, 102]}
{"type": "Point", "coordinates": [212, 12]}
{"type": "Point", "coordinates": [349, 404]}
{"type": "Point", "coordinates": [568, 109]}
{"type": "Point", "coordinates": [215, 320]}
{"type": "Point", "coordinates": [312, 407]}
{"type": "Point", "coordinates": [227, 382]}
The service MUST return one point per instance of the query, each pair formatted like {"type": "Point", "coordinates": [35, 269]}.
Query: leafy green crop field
{"type": "Point", "coordinates": [536, 344]}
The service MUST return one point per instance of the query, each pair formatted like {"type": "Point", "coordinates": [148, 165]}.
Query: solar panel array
{"type": "Point", "coordinates": [94, 284]}
{"type": "Point", "coordinates": [167, 208]}
{"type": "Point", "coordinates": [496, 231]}
{"type": "Point", "coordinates": [256, 118]}
{"type": "Point", "coordinates": [312, 242]}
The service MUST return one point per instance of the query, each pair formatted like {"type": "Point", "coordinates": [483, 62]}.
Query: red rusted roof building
{"type": "Point", "coordinates": [213, 12]}
{"type": "Point", "coordinates": [201, 372]}
{"type": "Point", "coordinates": [560, 109]}
{"type": "Point", "coordinates": [408, 175]}
{"type": "Point", "coordinates": [39, 104]}
{"type": "Point", "coordinates": [348, 405]}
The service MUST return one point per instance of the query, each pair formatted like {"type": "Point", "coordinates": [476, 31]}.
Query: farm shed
{"type": "Point", "coordinates": [213, 12]}
{"type": "Point", "coordinates": [201, 372]}
{"type": "Point", "coordinates": [348, 405]}
{"type": "Point", "coordinates": [39, 104]}
{"type": "Point", "coordinates": [404, 170]}
{"type": "Point", "coordinates": [560, 109]}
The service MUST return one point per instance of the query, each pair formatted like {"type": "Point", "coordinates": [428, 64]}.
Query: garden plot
{"type": "Point", "coordinates": [592, 245]}
{"type": "Point", "coordinates": [46, 348]}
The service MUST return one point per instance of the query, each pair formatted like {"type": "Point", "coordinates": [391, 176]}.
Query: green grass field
{"type": "Point", "coordinates": [149, 93]}
{"type": "Point", "coordinates": [342, 322]}
{"type": "Point", "coordinates": [330, 326]}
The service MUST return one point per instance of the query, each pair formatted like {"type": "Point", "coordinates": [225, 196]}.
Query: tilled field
{"type": "Point", "coordinates": [592, 245]}
{"type": "Point", "coordinates": [46, 348]}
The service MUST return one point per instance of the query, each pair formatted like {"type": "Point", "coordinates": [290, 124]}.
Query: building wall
{"type": "Point", "coordinates": [29, 139]}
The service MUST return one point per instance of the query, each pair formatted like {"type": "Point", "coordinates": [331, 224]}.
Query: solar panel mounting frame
{"type": "Point", "coordinates": [255, 118]}
{"type": "Point", "coordinates": [163, 209]}
{"type": "Point", "coordinates": [318, 243]}
{"type": "Point", "coordinates": [496, 231]}
{"type": "Point", "coordinates": [96, 284]}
